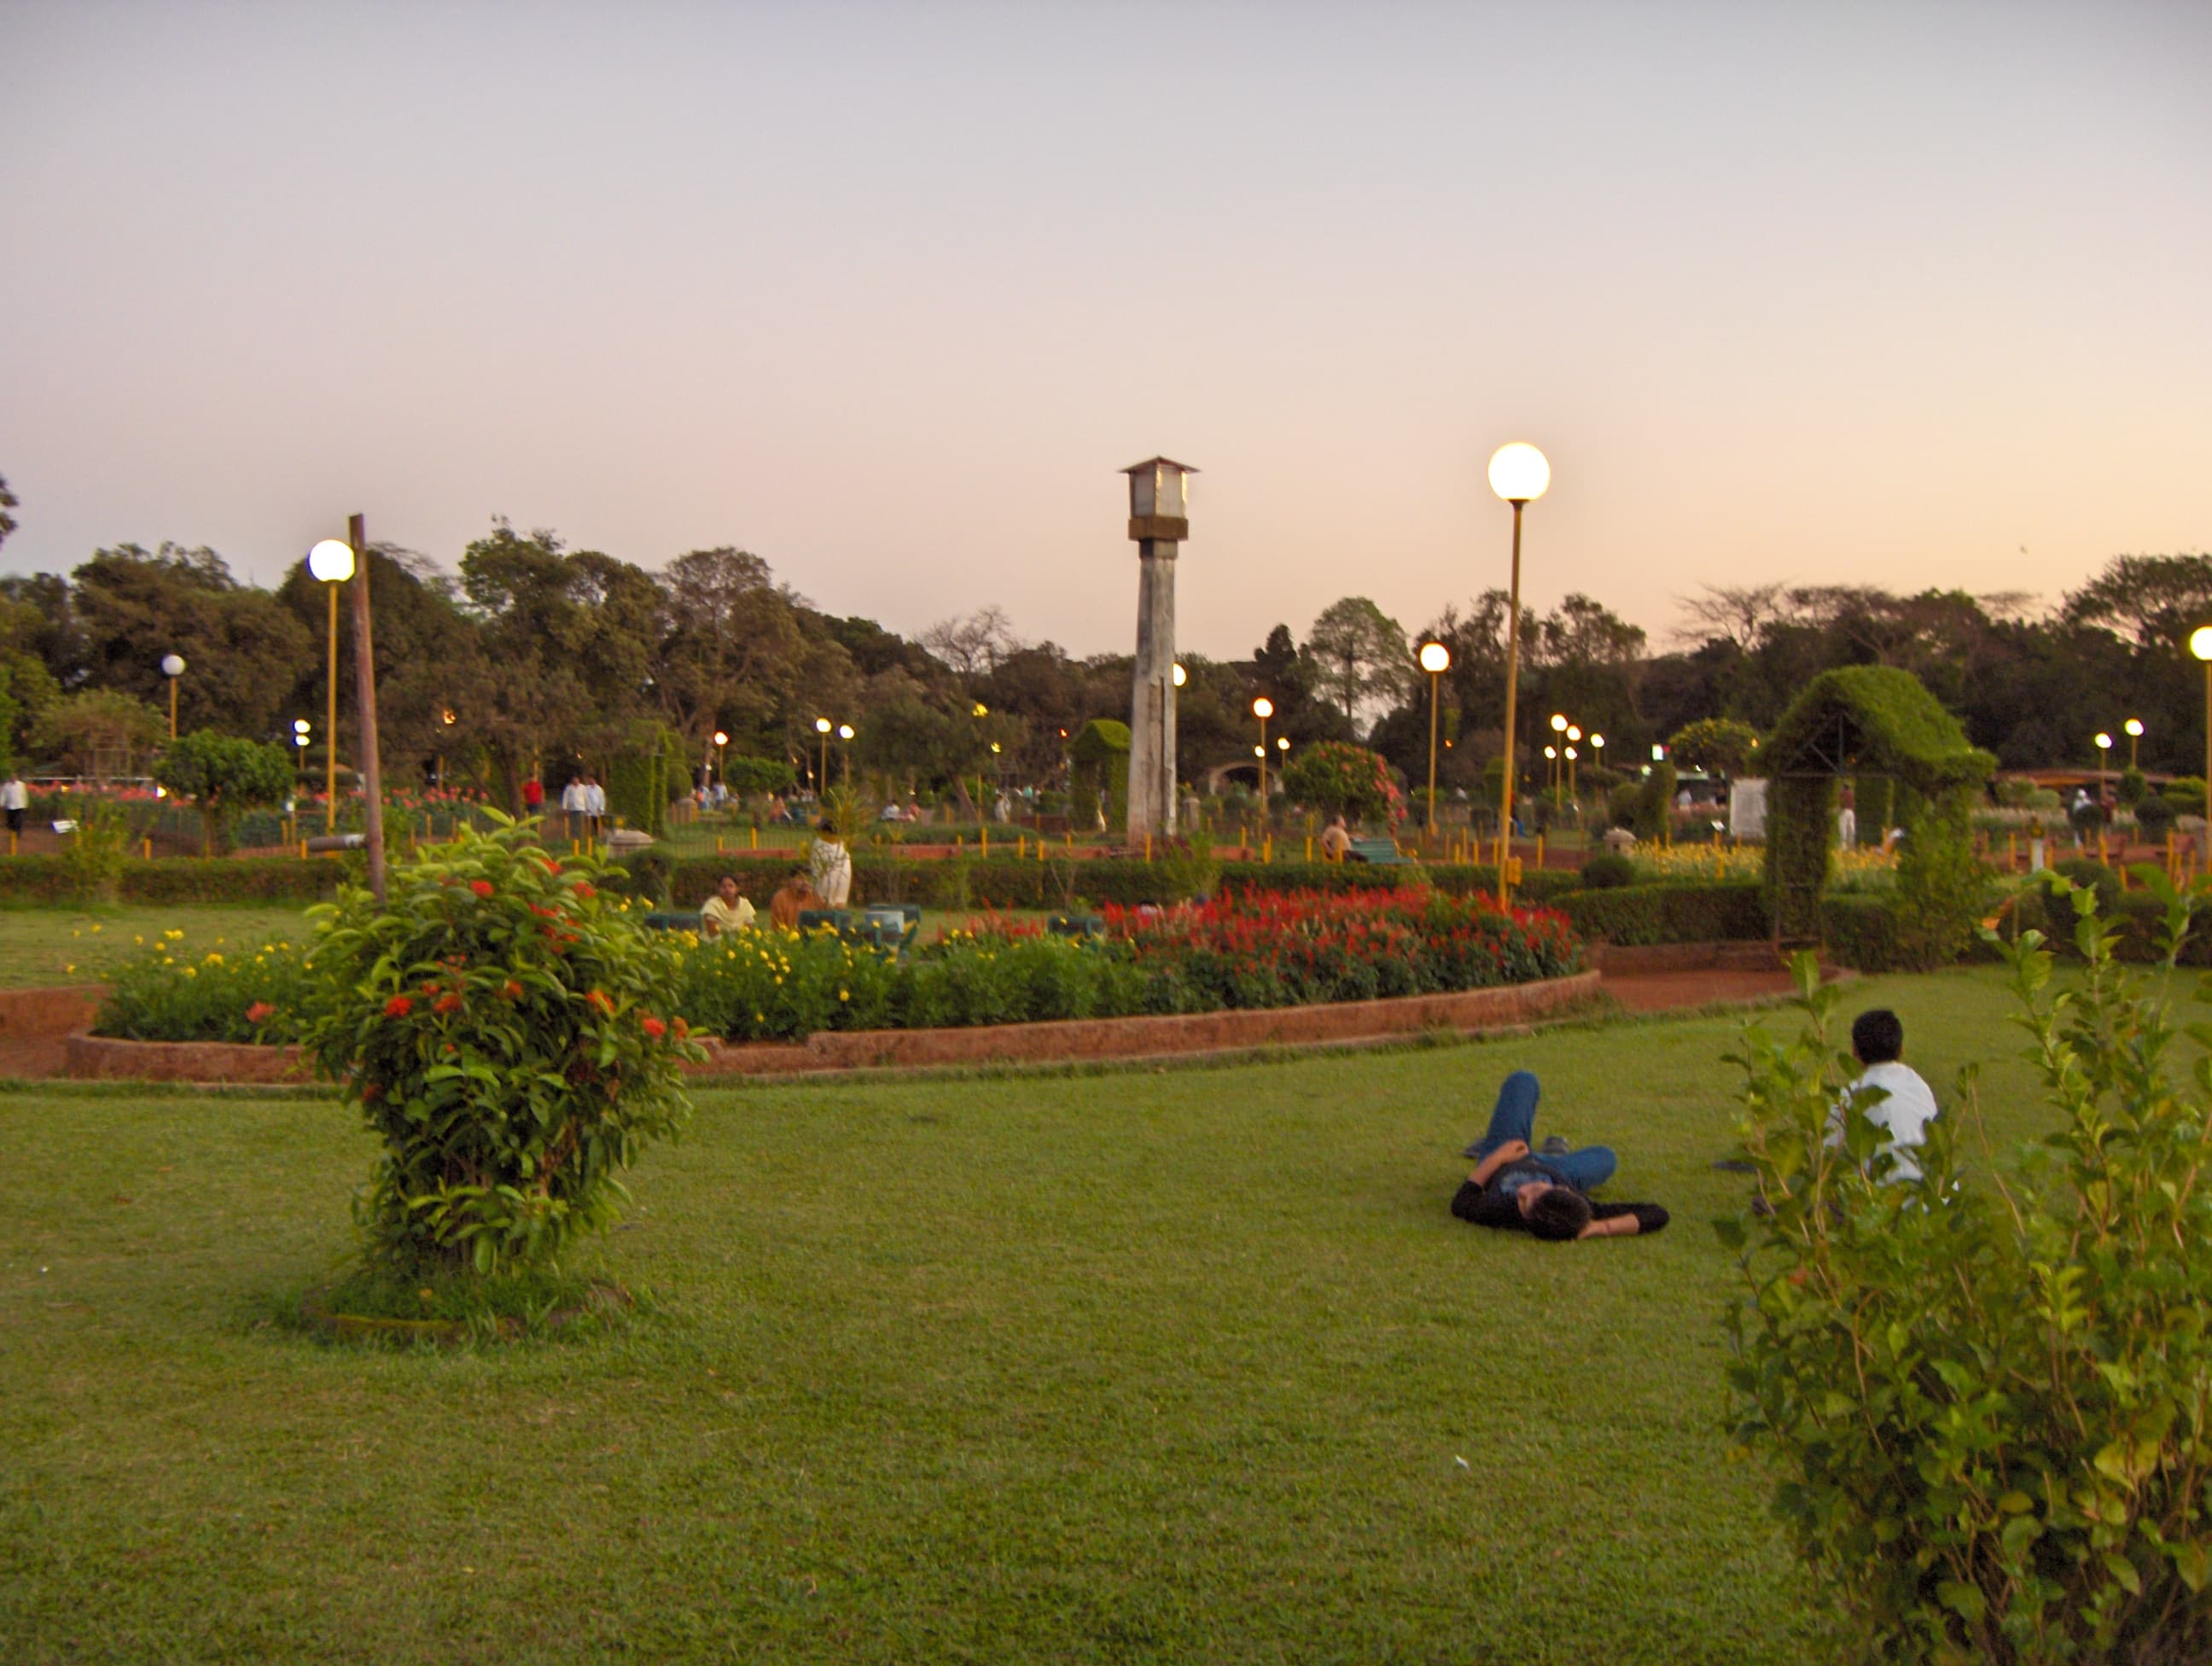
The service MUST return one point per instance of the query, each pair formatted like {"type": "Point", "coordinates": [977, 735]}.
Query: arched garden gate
{"type": "Point", "coordinates": [1875, 721]}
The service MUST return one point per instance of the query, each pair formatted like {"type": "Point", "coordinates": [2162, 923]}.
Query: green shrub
{"type": "Point", "coordinates": [1334, 776]}
{"type": "Point", "coordinates": [1655, 804]}
{"type": "Point", "coordinates": [177, 879]}
{"type": "Point", "coordinates": [1711, 911]}
{"type": "Point", "coordinates": [96, 851]}
{"type": "Point", "coordinates": [2131, 788]}
{"type": "Point", "coordinates": [508, 1035]}
{"type": "Point", "coordinates": [1987, 1398]}
{"type": "Point", "coordinates": [2155, 815]}
{"type": "Point", "coordinates": [245, 993]}
{"type": "Point", "coordinates": [1608, 873]}
{"type": "Point", "coordinates": [1940, 883]}
{"type": "Point", "coordinates": [2093, 875]}
{"type": "Point", "coordinates": [2186, 793]}
{"type": "Point", "coordinates": [224, 775]}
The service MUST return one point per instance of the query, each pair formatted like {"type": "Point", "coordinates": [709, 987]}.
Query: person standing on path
{"type": "Point", "coordinates": [14, 801]}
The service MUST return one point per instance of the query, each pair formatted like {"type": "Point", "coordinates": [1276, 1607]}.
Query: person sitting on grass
{"type": "Point", "coordinates": [1546, 1195]}
{"type": "Point", "coordinates": [725, 911]}
{"type": "Point", "coordinates": [1907, 1104]}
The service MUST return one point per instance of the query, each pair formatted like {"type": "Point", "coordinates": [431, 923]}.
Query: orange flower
{"type": "Point", "coordinates": [599, 999]}
{"type": "Point", "coordinates": [448, 1003]}
{"type": "Point", "coordinates": [653, 1027]}
{"type": "Point", "coordinates": [399, 1007]}
{"type": "Point", "coordinates": [513, 991]}
{"type": "Point", "coordinates": [481, 887]}
{"type": "Point", "coordinates": [586, 890]}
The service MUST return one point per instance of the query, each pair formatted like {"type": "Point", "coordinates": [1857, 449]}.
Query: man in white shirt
{"type": "Point", "coordinates": [15, 800]}
{"type": "Point", "coordinates": [595, 805]}
{"type": "Point", "coordinates": [1878, 1040]}
{"type": "Point", "coordinates": [574, 802]}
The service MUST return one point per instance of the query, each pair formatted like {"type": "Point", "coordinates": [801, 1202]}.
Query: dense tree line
{"type": "Point", "coordinates": [535, 657]}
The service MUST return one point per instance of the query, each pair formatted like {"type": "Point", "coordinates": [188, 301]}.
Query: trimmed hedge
{"type": "Point", "coordinates": [46, 880]}
{"type": "Point", "coordinates": [1709, 911]}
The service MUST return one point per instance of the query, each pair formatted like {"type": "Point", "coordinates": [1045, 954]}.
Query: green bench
{"type": "Point", "coordinates": [1377, 853]}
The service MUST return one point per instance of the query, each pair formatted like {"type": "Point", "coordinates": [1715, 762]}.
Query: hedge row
{"type": "Point", "coordinates": [180, 879]}
{"type": "Point", "coordinates": [1707, 911]}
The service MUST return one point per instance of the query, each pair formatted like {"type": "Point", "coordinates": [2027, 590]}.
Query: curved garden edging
{"type": "Point", "coordinates": [96, 1058]}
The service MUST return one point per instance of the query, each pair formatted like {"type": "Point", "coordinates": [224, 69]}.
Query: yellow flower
{"type": "Point", "coordinates": [173, 935]}
{"type": "Point", "coordinates": [95, 931]}
{"type": "Point", "coordinates": [140, 941]}
{"type": "Point", "coordinates": [191, 971]}
{"type": "Point", "coordinates": [69, 969]}
{"type": "Point", "coordinates": [214, 959]}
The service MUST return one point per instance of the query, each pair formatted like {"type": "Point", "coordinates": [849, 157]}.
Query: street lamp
{"type": "Point", "coordinates": [1519, 474]}
{"type": "Point", "coordinates": [822, 728]}
{"type": "Point", "coordinates": [845, 735]}
{"type": "Point", "coordinates": [331, 564]}
{"type": "Point", "coordinates": [2104, 762]}
{"type": "Point", "coordinates": [173, 668]}
{"type": "Point", "coordinates": [1574, 734]}
{"type": "Point", "coordinates": [2134, 726]}
{"type": "Point", "coordinates": [1559, 731]}
{"type": "Point", "coordinates": [2200, 644]}
{"type": "Point", "coordinates": [1263, 708]}
{"type": "Point", "coordinates": [1436, 659]}
{"type": "Point", "coordinates": [1181, 675]}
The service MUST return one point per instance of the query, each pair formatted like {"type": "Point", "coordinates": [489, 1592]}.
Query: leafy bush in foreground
{"type": "Point", "coordinates": [1991, 1402]}
{"type": "Point", "coordinates": [508, 1035]}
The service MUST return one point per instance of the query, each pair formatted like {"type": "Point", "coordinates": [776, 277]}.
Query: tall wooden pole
{"type": "Point", "coordinates": [1435, 677]}
{"type": "Point", "coordinates": [365, 684]}
{"type": "Point", "coordinates": [1512, 690]}
{"type": "Point", "coordinates": [331, 731]}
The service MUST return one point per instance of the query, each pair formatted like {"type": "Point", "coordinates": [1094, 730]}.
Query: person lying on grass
{"type": "Point", "coordinates": [1544, 1195]}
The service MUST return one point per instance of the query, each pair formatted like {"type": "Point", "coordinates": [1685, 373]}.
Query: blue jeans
{"type": "Point", "coordinates": [1515, 1118]}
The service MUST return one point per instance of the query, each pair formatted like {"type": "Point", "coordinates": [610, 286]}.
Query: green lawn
{"type": "Point", "coordinates": [1154, 1366]}
{"type": "Point", "coordinates": [51, 945]}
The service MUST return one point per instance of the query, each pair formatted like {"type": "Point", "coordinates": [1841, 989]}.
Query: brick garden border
{"type": "Point", "coordinates": [101, 1058]}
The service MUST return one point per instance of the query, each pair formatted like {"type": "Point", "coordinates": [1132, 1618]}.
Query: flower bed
{"type": "Point", "coordinates": [1256, 950]}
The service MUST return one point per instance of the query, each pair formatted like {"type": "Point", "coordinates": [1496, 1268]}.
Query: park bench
{"type": "Point", "coordinates": [1377, 853]}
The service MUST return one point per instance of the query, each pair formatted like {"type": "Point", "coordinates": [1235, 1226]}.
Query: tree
{"type": "Point", "coordinates": [101, 733]}
{"type": "Point", "coordinates": [1333, 776]}
{"type": "Point", "coordinates": [1360, 655]}
{"type": "Point", "coordinates": [2149, 600]}
{"type": "Point", "coordinates": [973, 646]}
{"type": "Point", "coordinates": [1720, 745]}
{"type": "Point", "coordinates": [224, 775]}
{"type": "Point", "coordinates": [8, 500]}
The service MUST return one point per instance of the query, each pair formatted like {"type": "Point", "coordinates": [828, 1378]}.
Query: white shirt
{"type": "Point", "coordinates": [595, 800]}
{"type": "Point", "coordinates": [13, 797]}
{"type": "Point", "coordinates": [572, 797]}
{"type": "Point", "coordinates": [1903, 1116]}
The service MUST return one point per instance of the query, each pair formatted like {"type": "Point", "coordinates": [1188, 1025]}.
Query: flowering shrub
{"type": "Point", "coordinates": [510, 1037]}
{"type": "Point", "coordinates": [765, 985]}
{"type": "Point", "coordinates": [1289, 948]}
{"type": "Point", "coordinates": [242, 995]}
{"type": "Point", "coordinates": [1334, 775]}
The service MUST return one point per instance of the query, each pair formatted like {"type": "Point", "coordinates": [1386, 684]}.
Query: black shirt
{"type": "Point", "coordinates": [1487, 1205]}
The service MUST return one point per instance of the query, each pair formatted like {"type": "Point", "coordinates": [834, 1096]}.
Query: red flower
{"type": "Point", "coordinates": [586, 890]}
{"type": "Point", "coordinates": [399, 1007]}
{"type": "Point", "coordinates": [449, 1003]}
{"type": "Point", "coordinates": [481, 887]}
{"type": "Point", "coordinates": [599, 999]}
{"type": "Point", "coordinates": [653, 1027]}
{"type": "Point", "coordinates": [683, 1029]}
{"type": "Point", "coordinates": [513, 991]}
{"type": "Point", "coordinates": [260, 1012]}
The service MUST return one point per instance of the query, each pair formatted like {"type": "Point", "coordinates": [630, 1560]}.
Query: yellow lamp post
{"type": "Point", "coordinates": [2134, 726]}
{"type": "Point", "coordinates": [2200, 644]}
{"type": "Point", "coordinates": [845, 735]}
{"type": "Point", "coordinates": [331, 564]}
{"type": "Point", "coordinates": [173, 668]}
{"type": "Point", "coordinates": [2104, 765]}
{"type": "Point", "coordinates": [822, 728]}
{"type": "Point", "coordinates": [1436, 659]}
{"type": "Point", "coordinates": [1574, 796]}
{"type": "Point", "coordinates": [722, 774]}
{"type": "Point", "coordinates": [1519, 474]}
{"type": "Point", "coordinates": [1263, 708]}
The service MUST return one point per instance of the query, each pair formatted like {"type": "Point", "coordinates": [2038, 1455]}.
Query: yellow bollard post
{"type": "Point", "coordinates": [2103, 861]}
{"type": "Point", "coordinates": [986, 838]}
{"type": "Point", "coordinates": [1021, 846]}
{"type": "Point", "coordinates": [1310, 846]}
{"type": "Point", "coordinates": [1267, 850]}
{"type": "Point", "coordinates": [1540, 850]}
{"type": "Point", "coordinates": [1148, 847]}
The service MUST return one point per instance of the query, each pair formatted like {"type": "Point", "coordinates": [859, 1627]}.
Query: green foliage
{"type": "Point", "coordinates": [1874, 800]}
{"type": "Point", "coordinates": [259, 992]}
{"type": "Point", "coordinates": [1608, 873]}
{"type": "Point", "coordinates": [100, 731]}
{"type": "Point", "coordinates": [1714, 911]}
{"type": "Point", "coordinates": [224, 775]}
{"type": "Point", "coordinates": [637, 784]}
{"type": "Point", "coordinates": [1655, 804]}
{"type": "Point", "coordinates": [1098, 762]}
{"type": "Point", "coordinates": [95, 854]}
{"type": "Point", "coordinates": [1940, 881]}
{"type": "Point", "coordinates": [1334, 775]}
{"type": "Point", "coordinates": [751, 777]}
{"type": "Point", "coordinates": [2186, 793]}
{"type": "Point", "coordinates": [1988, 1398]}
{"type": "Point", "coordinates": [2131, 787]}
{"type": "Point", "coordinates": [1719, 745]}
{"type": "Point", "coordinates": [506, 1033]}
{"type": "Point", "coordinates": [2154, 814]}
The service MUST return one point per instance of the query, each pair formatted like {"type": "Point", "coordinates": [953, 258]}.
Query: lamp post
{"type": "Point", "coordinates": [2134, 726]}
{"type": "Point", "coordinates": [1574, 797]}
{"type": "Point", "coordinates": [2200, 644]}
{"type": "Point", "coordinates": [331, 564]}
{"type": "Point", "coordinates": [1519, 474]}
{"type": "Point", "coordinates": [1159, 520]}
{"type": "Point", "coordinates": [173, 668]}
{"type": "Point", "coordinates": [822, 781]}
{"type": "Point", "coordinates": [1263, 708]}
{"type": "Point", "coordinates": [721, 773]}
{"type": "Point", "coordinates": [2104, 765]}
{"type": "Point", "coordinates": [1436, 659]}
{"type": "Point", "coordinates": [1552, 751]}
{"type": "Point", "coordinates": [845, 735]}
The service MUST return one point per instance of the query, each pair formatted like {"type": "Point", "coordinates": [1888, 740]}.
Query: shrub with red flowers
{"type": "Point", "coordinates": [499, 1024]}
{"type": "Point", "coordinates": [1331, 775]}
{"type": "Point", "coordinates": [1289, 948]}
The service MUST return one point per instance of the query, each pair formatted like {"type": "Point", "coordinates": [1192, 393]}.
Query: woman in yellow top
{"type": "Point", "coordinates": [725, 911]}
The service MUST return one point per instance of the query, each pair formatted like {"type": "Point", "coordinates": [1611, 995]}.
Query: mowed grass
{"type": "Point", "coordinates": [1153, 1366]}
{"type": "Point", "coordinates": [46, 946]}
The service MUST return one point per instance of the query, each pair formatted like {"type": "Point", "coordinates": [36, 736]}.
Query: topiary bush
{"type": "Point", "coordinates": [1334, 776]}
{"type": "Point", "coordinates": [1988, 1396]}
{"type": "Point", "coordinates": [2186, 793]}
{"type": "Point", "coordinates": [1608, 873]}
{"type": "Point", "coordinates": [502, 1029]}
{"type": "Point", "coordinates": [2155, 816]}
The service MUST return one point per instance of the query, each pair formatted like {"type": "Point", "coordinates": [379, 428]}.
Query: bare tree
{"type": "Point", "coordinates": [1744, 615]}
{"type": "Point", "coordinates": [973, 646]}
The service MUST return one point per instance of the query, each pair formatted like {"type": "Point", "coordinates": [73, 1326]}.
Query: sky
{"type": "Point", "coordinates": [1903, 296]}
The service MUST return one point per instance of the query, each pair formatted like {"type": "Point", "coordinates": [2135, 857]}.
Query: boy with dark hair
{"type": "Point", "coordinates": [1544, 1196]}
{"type": "Point", "coordinates": [1903, 1106]}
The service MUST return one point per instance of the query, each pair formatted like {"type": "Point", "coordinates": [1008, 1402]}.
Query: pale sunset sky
{"type": "Point", "coordinates": [1907, 296]}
